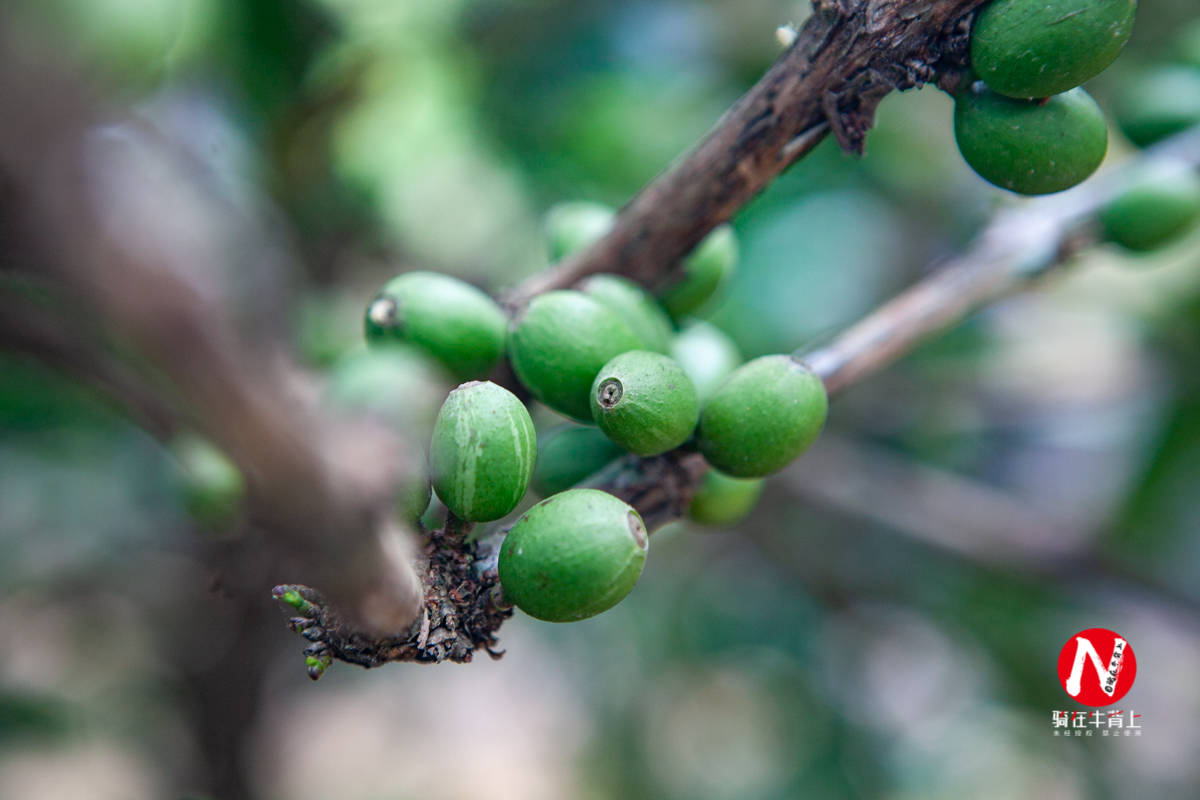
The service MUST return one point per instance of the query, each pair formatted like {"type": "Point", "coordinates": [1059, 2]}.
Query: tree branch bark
{"type": "Point", "coordinates": [1021, 243]}
{"type": "Point", "coordinates": [845, 59]}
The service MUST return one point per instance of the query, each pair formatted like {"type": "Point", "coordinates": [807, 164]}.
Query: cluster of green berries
{"type": "Point", "coordinates": [1026, 126]}
{"type": "Point", "coordinates": [606, 354]}
{"type": "Point", "coordinates": [1163, 201]}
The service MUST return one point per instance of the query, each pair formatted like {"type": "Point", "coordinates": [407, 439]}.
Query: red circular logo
{"type": "Point", "coordinates": [1096, 667]}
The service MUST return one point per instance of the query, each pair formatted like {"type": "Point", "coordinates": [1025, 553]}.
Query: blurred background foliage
{"type": "Point", "coordinates": [857, 636]}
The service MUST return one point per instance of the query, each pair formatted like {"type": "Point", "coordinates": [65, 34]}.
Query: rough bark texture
{"type": "Point", "coordinates": [462, 612]}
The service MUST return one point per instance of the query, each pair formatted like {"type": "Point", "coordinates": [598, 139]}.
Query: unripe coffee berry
{"type": "Point", "coordinates": [1029, 147]}
{"type": "Point", "coordinates": [413, 497]}
{"type": "Point", "coordinates": [568, 454]}
{"type": "Point", "coordinates": [1158, 103]}
{"type": "Point", "coordinates": [453, 321]}
{"type": "Point", "coordinates": [635, 305]}
{"type": "Point", "coordinates": [707, 355]}
{"type": "Point", "coordinates": [1186, 46]}
{"type": "Point", "coordinates": [398, 387]}
{"type": "Point", "coordinates": [1038, 48]}
{"type": "Point", "coordinates": [705, 271]}
{"type": "Point", "coordinates": [575, 225]}
{"type": "Point", "coordinates": [211, 486]}
{"type": "Point", "coordinates": [724, 500]}
{"type": "Point", "coordinates": [765, 414]}
{"type": "Point", "coordinates": [644, 402]}
{"type": "Point", "coordinates": [572, 556]}
{"type": "Point", "coordinates": [482, 453]}
{"type": "Point", "coordinates": [558, 343]}
{"type": "Point", "coordinates": [1158, 206]}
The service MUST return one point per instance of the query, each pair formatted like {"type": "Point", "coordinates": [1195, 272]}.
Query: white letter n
{"type": "Point", "coordinates": [1083, 648]}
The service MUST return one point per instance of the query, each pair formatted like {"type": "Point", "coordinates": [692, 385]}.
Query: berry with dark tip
{"type": "Point", "coordinates": [451, 320]}
{"type": "Point", "coordinates": [644, 402]}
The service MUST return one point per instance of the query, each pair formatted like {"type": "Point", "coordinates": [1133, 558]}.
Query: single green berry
{"type": "Point", "coordinates": [1038, 48]}
{"type": "Point", "coordinates": [211, 485]}
{"type": "Point", "coordinates": [413, 498]}
{"type": "Point", "coordinates": [705, 271]}
{"type": "Point", "coordinates": [645, 402]}
{"type": "Point", "coordinates": [559, 342]}
{"type": "Point", "coordinates": [1157, 103]}
{"type": "Point", "coordinates": [572, 556]}
{"type": "Point", "coordinates": [398, 386]}
{"type": "Point", "coordinates": [1186, 46]}
{"type": "Point", "coordinates": [482, 451]}
{"type": "Point", "coordinates": [707, 355]}
{"type": "Point", "coordinates": [1158, 206]}
{"type": "Point", "coordinates": [322, 337]}
{"type": "Point", "coordinates": [568, 454]}
{"type": "Point", "coordinates": [575, 225]}
{"type": "Point", "coordinates": [766, 413]}
{"type": "Point", "coordinates": [1030, 147]}
{"type": "Point", "coordinates": [722, 500]}
{"type": "Point", "coordinates": [635, 305]}
{"type": "Point", "coordinates": [453, 321]}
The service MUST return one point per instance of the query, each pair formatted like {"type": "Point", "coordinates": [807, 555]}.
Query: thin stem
{"type": "Point", "coordinates": [1021, 244]}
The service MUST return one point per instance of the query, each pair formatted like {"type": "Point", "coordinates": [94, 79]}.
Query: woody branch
{"type": "Point", "coordinates": [844, 60]}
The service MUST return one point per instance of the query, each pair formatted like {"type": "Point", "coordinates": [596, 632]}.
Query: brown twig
{"type": "Point", "coordinates": [1020, 244]}
{"type": "Point", "coordinates": [844, 60]}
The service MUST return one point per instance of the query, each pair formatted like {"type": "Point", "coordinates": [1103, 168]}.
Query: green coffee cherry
{"type": "Point", "coordinates": [1038, 48]}
{"type": "Point", "coordinates": [568, 454]}
{"type": "Point", "coordinates": [572, 556]}
{"type": "Point", "coordinates": [451, 320]}
{"type": "Point", "coordinates": [211, 485]}
{"type": "Point", "coordinates": [559, 342]}
{"type": "Point", "coordinates": [644, 402]}
{"type": "Point", "coordinates": [1156, 208]}
{"type": "Point", "coordinates": [707, 355]}
{"type": "Point", "coordinates": [1186, 47]}
{"type": "Point", "coordinates": [705, 271]}
{"type": "Point", "coordinates": [322, 336]}
{"type": "Point", "coordinates": [722, 500]}
{"type": "Point", "coordinates": [482, 451]}
{"type": "Point", "coordinates": [765, 414]}
{"type": "Point", "coordinates": [1028, 147]}
{"type": "Point", "coordinates": [398, 387]}
{"type": "Point", "coordinates": [413, 498]}
{"type": "Point", "coordinates": [1158, 103]}
{"type": "Point", "coordinates": [635, 305]}
{"type": "Point", "coordinates": [575, 225]}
